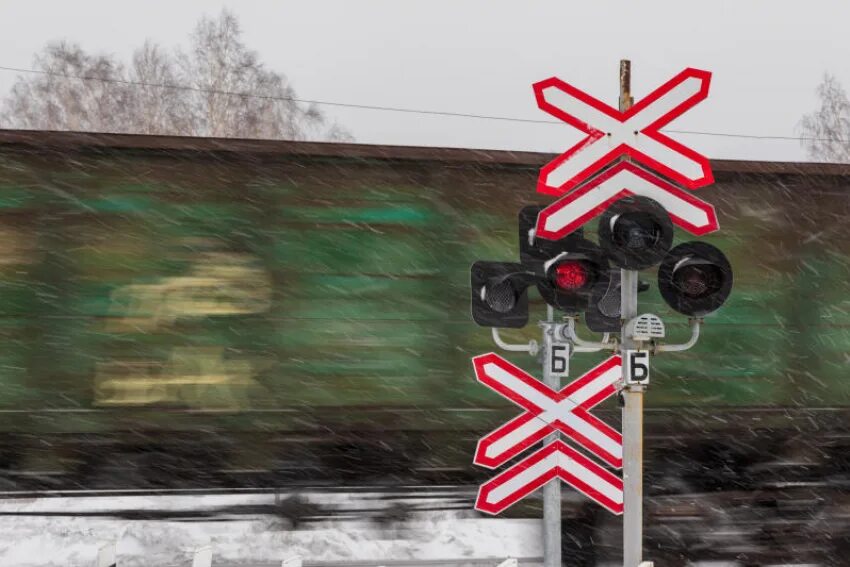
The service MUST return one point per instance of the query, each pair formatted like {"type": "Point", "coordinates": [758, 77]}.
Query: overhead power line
{"type": "Point", "coordinates": [385, 108]}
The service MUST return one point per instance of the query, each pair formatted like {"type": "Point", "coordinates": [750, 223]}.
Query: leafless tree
{"type": "Point", "coordinates": [50, 101]}
{"type": "Point", "coordinates": [154, 109]}
{"type": "Point", "coordinates": [218, 87]}
{"type": "Point", "coordinates": [826, 131]}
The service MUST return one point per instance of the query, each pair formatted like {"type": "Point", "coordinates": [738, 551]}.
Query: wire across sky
{"type": "Point", "coordinates": [381, 108]}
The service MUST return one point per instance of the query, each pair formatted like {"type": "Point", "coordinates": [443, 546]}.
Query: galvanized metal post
{"type": "Point", "coordinates": [632, 438]}
{"type": "Point", "coordinates": [632, 397]}
{"type": "Point", "coordinates": [552, 490]}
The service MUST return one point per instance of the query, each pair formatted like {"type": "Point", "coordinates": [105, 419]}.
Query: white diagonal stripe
{"type": "Point", "coordinates": [578, 162]}
{"type": "Point", "coordinates": [596, 385]}
{"type": "Point", "coordinates": [508, 380]}
{"type": "Point", "coordinates": [518, 435]}
{"type": "Point", "coordinates": [566, 102]}
{"type": "Point", "coordinates": [587, 391]}
{"type": "Point", "coordinates": [690, 168]}
{"type": "Point", "coordinates": [594, 435]}
{"type": "Point", "coordinates": [528, 475]}
{"type": "Point", "coordinates": [673, 98]}
{"type": "Point", "coordinates": [589, 477]}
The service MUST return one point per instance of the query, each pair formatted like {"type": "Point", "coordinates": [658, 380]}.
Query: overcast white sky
{"type": "Point", "coordinates": [482, 57]}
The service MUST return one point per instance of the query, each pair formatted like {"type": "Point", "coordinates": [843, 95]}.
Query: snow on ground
{"type": "Point", "coordinates": [74, 540]}
{"type": "Point", "coordinates": [69, 541]}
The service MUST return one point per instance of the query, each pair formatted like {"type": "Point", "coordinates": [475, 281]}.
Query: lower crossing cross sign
{"type": "Point", "coordinates": [547, 411]}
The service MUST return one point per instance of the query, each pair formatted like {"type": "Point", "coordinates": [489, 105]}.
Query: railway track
{"type": "Point", "coordinates": [384, 489]}
{"type": "Point", "coordinates": [385, 505]}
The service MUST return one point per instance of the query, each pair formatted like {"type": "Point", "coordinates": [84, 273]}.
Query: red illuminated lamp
{"type": "Point", "coordinates": [571, 275]}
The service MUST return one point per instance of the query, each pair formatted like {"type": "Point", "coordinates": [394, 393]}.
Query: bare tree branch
{"type": "Point", "coordinates": [216, 64]}
{"type": "Point", "coordinates": [826, 131]}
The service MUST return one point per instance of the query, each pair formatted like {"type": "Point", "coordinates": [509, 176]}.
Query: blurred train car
{"type": "Point", "coordinates": [181, 312]}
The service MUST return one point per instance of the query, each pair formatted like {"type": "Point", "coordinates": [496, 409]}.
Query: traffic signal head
{"type": "Point", "coordinates": [569, 277]}
{"type": "Point", "coordinates": [695, 278]}
{"type": "Point", "coordinates": [635, 232]}
{"type": "Point", "coordinates": [500, 294]}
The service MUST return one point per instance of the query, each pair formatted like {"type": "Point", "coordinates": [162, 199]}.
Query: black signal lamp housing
{"type": "Point", "coordinates": [635, 232]}
{"type": "Point", "coordinates": [695, 278]}
{"type": "Point", "coordinates": [499, 294]}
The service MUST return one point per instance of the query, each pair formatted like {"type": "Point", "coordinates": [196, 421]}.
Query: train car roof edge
{"type": "Point", "coordinates": [92, 141]}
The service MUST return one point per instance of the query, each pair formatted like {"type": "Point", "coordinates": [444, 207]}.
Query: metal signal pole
{"type": "Point", "coordinates": [552, 489]}
{"type": "Point", "coordinates": [632, 397]}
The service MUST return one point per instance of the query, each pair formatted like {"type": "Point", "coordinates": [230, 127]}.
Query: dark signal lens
{"type": "Point", "coordinates": [571, 276]}
{"type": "Point", "coordinates": [636, 231]}
{"type": "Point", "coordinates": [501, 297]}
{"type": "Point", "coordinates": [698, 280]}
{"type": "Point", "coordinates": [695, 278]}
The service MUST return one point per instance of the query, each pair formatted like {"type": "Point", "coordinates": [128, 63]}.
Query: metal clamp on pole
{"type": "Point", "coordinates": [581, 345]}
{"type": "Point", "coordinates": [695, 325]}
{"type": "Point", "coordinates": [531, 347]}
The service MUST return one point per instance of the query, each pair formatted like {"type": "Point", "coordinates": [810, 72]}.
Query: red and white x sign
{"type": "Point", "coordinates": [555, 460]}
{"type": "Point", "coordinates": [548, 410]}
{"type": "Point", "coordinates": [574, 209]}
{"type": "Point", "coordinates": [611, 133]}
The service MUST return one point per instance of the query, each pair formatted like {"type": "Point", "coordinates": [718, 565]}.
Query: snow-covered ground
{"type": "Point", "coordinates": [74, 540]}
{"type": "Point", "coordinates": [33, 539]}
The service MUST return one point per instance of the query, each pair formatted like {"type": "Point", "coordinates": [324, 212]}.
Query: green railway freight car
{"type": "Point", "coordinates": [183, 311]}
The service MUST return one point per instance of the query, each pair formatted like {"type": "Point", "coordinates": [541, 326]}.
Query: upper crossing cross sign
{"type": "Point", "coordinates": [634, 133]}
{"type": "Point", "coordinates": [613, 135]}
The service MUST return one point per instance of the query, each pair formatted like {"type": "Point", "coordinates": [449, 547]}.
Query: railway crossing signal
{"type": "Point", "coordinates": [565, 271]}
{"type": "Point", "coordinates": [629, 175]}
